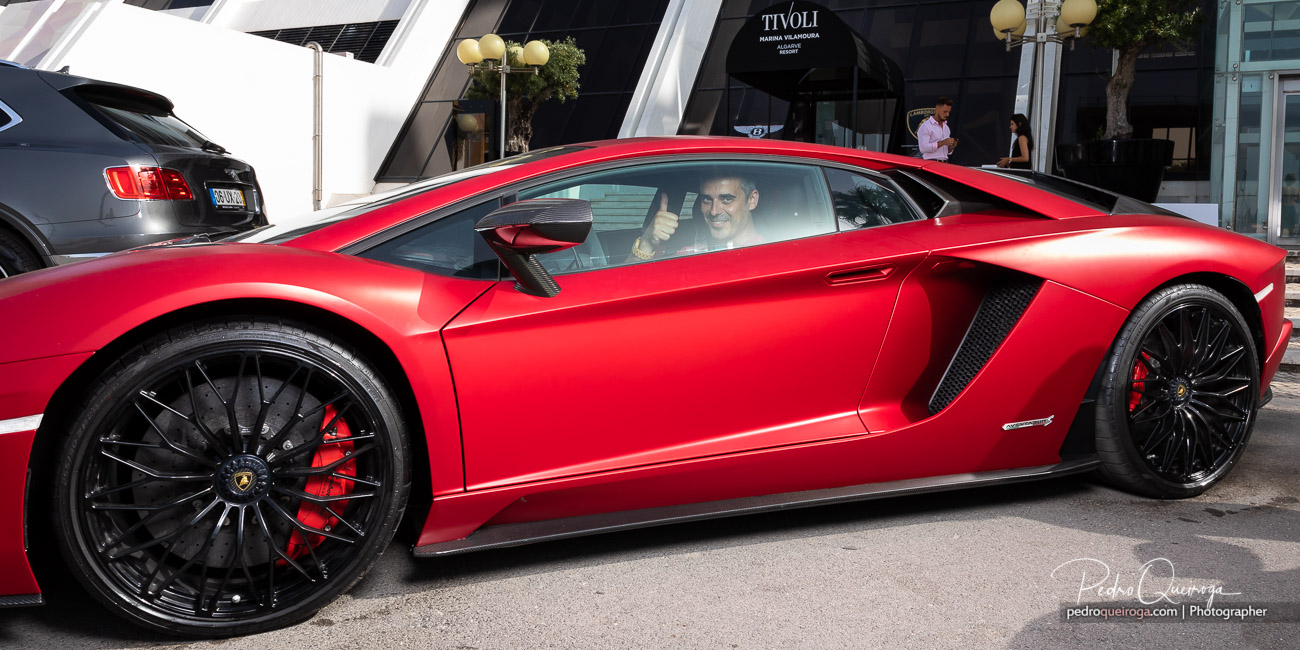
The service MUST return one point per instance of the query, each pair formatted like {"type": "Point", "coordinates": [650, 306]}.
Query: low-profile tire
{"type": "Point", "coordinates": [1179, 394]}
{"type": "Point", "coordinates": [230, 477]}
{"type": "Point", "coordinates": [16, 256]}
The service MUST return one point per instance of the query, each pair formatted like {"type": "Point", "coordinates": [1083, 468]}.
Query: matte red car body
{"type": "Point", "coordinates": [579, 423]}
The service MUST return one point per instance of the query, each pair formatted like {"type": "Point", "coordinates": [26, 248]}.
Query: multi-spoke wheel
{"type": "Point", "coordinates": [231, 477]}
{"type": "Point", "coordinates": [1178, 395]}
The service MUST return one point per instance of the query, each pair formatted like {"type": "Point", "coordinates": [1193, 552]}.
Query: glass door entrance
{"type": "Point", "coordinates": [869, 125]}
{"type": "Point", "coordinates": [1284, 212]}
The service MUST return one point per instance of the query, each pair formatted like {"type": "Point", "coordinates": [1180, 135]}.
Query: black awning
{"type": "Point", "coordinates": [801, 49]}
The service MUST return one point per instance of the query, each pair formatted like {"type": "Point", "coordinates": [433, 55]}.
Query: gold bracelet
{"type": "Point", "coordinates": [636, 251]}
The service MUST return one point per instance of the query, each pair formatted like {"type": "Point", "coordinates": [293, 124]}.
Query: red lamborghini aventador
{"type": "Point", "coordinates": [221, 437]}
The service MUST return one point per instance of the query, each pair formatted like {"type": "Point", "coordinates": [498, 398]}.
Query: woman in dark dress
{"type": "Point", "coordinates": [1021, 146]}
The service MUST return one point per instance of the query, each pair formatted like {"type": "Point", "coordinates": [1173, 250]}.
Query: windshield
{"type": "Point", "coordinates": [155, 129]}
{"type": "Point", "coordinates": [144, 115]}
{"type": "Point", "coordinates": [286, 229]}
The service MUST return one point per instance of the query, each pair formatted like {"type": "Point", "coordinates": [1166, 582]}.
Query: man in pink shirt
{"type": "Point", "coordinates": [934, 135]}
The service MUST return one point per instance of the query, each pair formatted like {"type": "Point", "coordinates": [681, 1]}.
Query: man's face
{"type": "Point", "coordinates": [725, 208]}
{"type": "Point", "coordinates": [941, 112]}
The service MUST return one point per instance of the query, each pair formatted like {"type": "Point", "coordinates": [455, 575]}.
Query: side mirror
{"type": "Point", "coordinates": [520, 231]}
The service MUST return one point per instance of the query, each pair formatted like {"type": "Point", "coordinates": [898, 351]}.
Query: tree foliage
{"type": "Point", "coordinates": [1130, 27]}
{"type": "Point", "coordinates": [525, 91]}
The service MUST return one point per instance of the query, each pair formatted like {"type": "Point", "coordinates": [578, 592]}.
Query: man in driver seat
{"type": "Point", "coordinates": [725, 205]}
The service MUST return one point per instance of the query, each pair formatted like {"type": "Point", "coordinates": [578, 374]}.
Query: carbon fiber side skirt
{"type": "Point", "coordinates": [507, 535]}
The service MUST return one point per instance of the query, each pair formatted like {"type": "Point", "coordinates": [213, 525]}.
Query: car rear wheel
{"type": "Point", "coordinates": [16, 256]}
{"type": "Point", "coordinates": [230, 477]}
{"type": "Point", "coordinates": [1179, 394]}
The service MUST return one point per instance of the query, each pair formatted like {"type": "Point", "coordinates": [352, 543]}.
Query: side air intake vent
{"type": "Point", "coordinates": [1002, 306]}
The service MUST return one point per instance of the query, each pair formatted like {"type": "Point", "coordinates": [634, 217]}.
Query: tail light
{"type": "Point", "coordinates": [155, 183]}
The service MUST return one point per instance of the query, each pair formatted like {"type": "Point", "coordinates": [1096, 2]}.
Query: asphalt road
{"type": "Point", "coordinates": [962, 569]}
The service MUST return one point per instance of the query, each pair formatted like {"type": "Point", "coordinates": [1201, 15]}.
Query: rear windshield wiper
{"type": "Point", "coordinates": [209, 145]}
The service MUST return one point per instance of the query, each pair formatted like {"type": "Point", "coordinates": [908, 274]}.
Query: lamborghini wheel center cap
{"type": "Point", "coordinates": [243, 479]}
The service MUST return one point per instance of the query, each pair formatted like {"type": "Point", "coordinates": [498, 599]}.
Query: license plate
{"type": "Point", "coordinates": [226, 198]}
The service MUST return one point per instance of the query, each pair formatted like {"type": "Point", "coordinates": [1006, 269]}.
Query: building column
{"type": "Point", "coordinates": [1038, 86]}
{"type": "Point", "coordinates": [659, 101]}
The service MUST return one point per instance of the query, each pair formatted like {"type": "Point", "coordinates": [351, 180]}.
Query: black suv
{"type": "Point", "coordinates": [90, 167]}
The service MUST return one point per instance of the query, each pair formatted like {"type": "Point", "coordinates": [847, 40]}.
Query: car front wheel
{"type": "Point", "coordinates": [1179, 394]}
{"type": "Point", "coordinates": [230, 477]}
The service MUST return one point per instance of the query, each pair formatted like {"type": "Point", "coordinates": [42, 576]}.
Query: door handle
{"type": "Point", "coordinates": [864, 274]}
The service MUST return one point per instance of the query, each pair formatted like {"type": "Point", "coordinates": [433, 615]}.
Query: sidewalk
{"type": "Point", "coordinates": [1286, 391]}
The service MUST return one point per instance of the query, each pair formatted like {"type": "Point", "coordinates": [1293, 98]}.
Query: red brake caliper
{"type": "Point", "coordinates": [1140, 372]}
{"type": "Point", "coordinates": [314, 515]}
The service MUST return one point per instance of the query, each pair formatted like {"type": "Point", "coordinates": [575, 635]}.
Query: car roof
{"type": "Point", "coordinates": [63, 81]}
{"type": "Point", "coordinates": [660, 145]}
{"type": "Point", "coordinates": [581, 155]}
{"type": "Point", "coordinates": [628, 150]}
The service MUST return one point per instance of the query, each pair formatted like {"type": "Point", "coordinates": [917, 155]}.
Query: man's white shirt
{"type": "Point", "coordinates": [929, 135]}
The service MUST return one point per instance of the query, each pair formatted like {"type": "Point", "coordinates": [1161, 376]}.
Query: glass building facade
{"type": "Point", "coordinates": [615, 35]}
{"type": "Point", "coordinates": [1230, 100]}
{"type": "Point", "coordinates": [948, 48]}
{"type": "Point", "coordinates": [944, 47]}
{"type": "Point", "coordinates": [1171, 99]}
{"type": "Point", "coordinates": [1256, 150]}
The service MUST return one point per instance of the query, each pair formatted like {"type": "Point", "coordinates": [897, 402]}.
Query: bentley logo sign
{"type": "Point", "coordinates": [759, 131]}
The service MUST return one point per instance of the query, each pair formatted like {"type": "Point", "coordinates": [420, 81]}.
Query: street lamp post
{"type": "Point", "coordinates": [479, 55]}
{"type": "Point", "coordinates": [1071, 19]}
{"type": "Point", "coordinates": [1049, 23]}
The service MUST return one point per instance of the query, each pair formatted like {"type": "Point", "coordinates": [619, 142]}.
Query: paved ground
{"type": "Point", "coordinates": [960, 570]}
{"type": "Point", "coordinates": [1286, 391]}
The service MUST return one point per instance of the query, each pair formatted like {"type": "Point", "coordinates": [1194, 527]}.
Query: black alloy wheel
{"type": "Point", "coordinates": [230, 477]}
{"type": "Point", "coordinates": [16, 256]}
{"type": "Point", "coordinates": [1179, 394]}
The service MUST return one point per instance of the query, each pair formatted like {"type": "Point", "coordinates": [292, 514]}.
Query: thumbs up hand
{"type": "Point", "coordinates": [663, 226]}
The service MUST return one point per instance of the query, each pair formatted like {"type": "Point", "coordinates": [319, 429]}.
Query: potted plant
{"type": "Point", "coordinates": [557, 79]}
{"type": "Point", "coordinates": [1117, 161]}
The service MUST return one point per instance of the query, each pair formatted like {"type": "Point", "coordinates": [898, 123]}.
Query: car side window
{"type": "Point", "coordinates": [448, 246]}
{"type": "Point", "coordinates": [923, 197]}
{"type": "Point", "coordinates": [618, 207]}
{"type": "Point", "coordinates": [716, 205]}
{"type": "Point", "coordinates": [863, 202]}
{"type": "Point", "coordinates": [7, 116]}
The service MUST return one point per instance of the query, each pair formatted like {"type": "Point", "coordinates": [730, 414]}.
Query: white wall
{"type": "Point", "coordinates": [188, 13]}
{"type": "Point", "coordinates": [253, 95]}
{"type": "Point", "coordinates": [1185, 191]}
